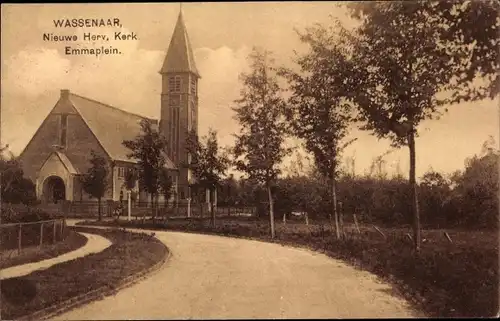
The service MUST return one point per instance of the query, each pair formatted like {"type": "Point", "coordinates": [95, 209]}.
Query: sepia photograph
{"type": "Point", "coordinates": [250, 160]}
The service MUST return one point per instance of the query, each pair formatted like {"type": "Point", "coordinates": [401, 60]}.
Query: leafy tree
{"type": "Point", "coordinates": [148, 148]}
{"type": "Point", "coordinates": [318, 112]}
{"type": "Point", "coordinates": [478, 190]}
{"type": "Point", "coordinates": [229, 190]}
{"type": "Point", "coordinates": [15, 188]}
{"type": "Point", "coordinates": [467, 31]}
{"type": "Point", "coordinates": [130, 179]}
{"type": "Point", "coordinates": [259, 147]}
{"type": "Point", "coordinates": [398, 72]}
{"type": "Point", "coordinates": [130, 183]}
{"type": "Point", "coordinates": [247, 192]}
{"type": "Point", "coordinates": [298, 194]}
{"type": "Point", "coordinates": [95, 181]}
{"type": "Point", "coordinates": [208, 163]}
{"type": "Point", "coordinates": [435, 193]}
{"type": "Point", "coordinates": [472, 31]}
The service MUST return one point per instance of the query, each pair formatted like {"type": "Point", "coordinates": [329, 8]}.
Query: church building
{"type": "Point", "coordinates": [59, 152]}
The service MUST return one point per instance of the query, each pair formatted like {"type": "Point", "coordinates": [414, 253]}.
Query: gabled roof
{"type": "Point", "coordinates": [67, 163]}
{"type": "Point", "coordinates": [64, 160]}
{"type": "Point", "coordinates": [179, 56]}
{"type": "Point", "coordinates": [111, 126]}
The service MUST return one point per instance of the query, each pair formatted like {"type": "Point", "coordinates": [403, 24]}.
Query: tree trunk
{"type": "Point", "coordinates": [152, 207]}
{"type": "Point", "coordinates": [212, 212]}
{"type": "Point", "coordinates": [414, 195]}
{"type": "Point", "coordinates": [330, 186]}
{"type": "Point", "coordinates": [334, 208]}
{"type": "Point", "coordinates": [99, 209]}
{"type": "Point", "coordinates": [129, 205]}
{"type": "Point", "coordinates": [155, 208]}
{"type": "Point", "coordinates": [271, 211]}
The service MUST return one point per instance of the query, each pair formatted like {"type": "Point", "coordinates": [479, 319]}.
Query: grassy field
{"type": "Point", "coordinates": [446, 279]}
{"type": "Point", "coordinates": [71, 242]}
{"type": "Point", "coordinates": [129, 254]}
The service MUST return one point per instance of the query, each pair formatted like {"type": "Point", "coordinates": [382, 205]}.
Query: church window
{"type": "Point", "coordinates": [174, 84]}
{"type": "Point", "coordinates": [171, 84]}
{"type": "Point", "coordinates": [193, 86]}
{"type": "Point", "coordinates": [121, 171]}
{"type": "Point", "coordinates": [64, 129]}
{"type": "Point", "coordinates": [175, 128]}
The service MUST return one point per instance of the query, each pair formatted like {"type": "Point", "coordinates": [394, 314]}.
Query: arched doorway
{"type": "Point", "coordinates": [54, 190]}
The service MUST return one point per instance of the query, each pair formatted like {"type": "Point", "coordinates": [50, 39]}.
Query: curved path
{"type": "Point", "coordinates": [95, 243]}
{"type": "Point", "coordinates": [217, 277]}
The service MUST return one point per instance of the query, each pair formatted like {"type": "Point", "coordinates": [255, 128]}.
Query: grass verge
{"type": "Point", "coordinates": [445, 279]}
{"type": "Point", "coordinates": [130, 253]}
{"type": "Point", "coordinates": [72, 241]}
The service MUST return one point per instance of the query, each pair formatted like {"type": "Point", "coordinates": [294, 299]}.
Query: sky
{"type": "Point", "coordinates": [33, 72]}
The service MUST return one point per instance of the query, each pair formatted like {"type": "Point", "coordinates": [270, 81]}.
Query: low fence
{"type": "Point", "coordinates": [203, 210]}
{"type": "Point", "coordinates": [28, 234]}
{"type": "Point", "coordinates": [87, 209]}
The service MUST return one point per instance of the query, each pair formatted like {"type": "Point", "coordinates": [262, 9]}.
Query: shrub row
{"type": "Point", "coordinates": [24, 214]}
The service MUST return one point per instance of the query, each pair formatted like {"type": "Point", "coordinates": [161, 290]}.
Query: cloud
{"type": "Point", "coordinates": [33, 77]}
{"type": "Point", "coordinates": [219, 87]}
{"type": "Point", "coordinates": [33, 72]}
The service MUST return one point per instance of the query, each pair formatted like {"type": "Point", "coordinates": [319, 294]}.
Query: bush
{"type": "Point", "coordinates": [24, 214]}
{"type": "Point", "coordinates": [16, 189]}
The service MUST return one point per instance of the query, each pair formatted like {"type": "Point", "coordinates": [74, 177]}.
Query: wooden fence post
{"type": "Point", "coordinates": [19, 239]}
{"type": "Point", "coordinates": [380, 232]}
{"type": "Point", "coordinates": [408, 237]}
{"type": "Point", "coordinates": [356, 223]}
{"type": "Point", "coordinates": [41, 234]}
{"type": "Point", "coordinates": [54, 235]}
{"type": "Point", "coordinates": [448, 237]}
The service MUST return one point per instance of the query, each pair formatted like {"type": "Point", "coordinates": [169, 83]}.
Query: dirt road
{"type": "Point", "coordinates": [211, 277]}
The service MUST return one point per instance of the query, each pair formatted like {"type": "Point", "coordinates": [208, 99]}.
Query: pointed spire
{"type": "Point", "coordinates": [179, 56]}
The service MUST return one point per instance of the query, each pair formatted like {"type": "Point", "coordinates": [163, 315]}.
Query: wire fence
{"type": "Point", "coordinates": [19, 236]}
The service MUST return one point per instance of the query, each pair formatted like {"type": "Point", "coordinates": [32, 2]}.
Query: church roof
{"type": "Point", "coordinates": [179, 56]}
{"type": "Point", "coordinates": [64, 160]}
{"type": "Point", "coordinates": [111, 126]}
{"type": "Point", "coordinates": [69, 166]}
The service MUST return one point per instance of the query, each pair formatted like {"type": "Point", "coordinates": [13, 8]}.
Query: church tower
{"type": "Point", "coordinates": [179, 101]}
